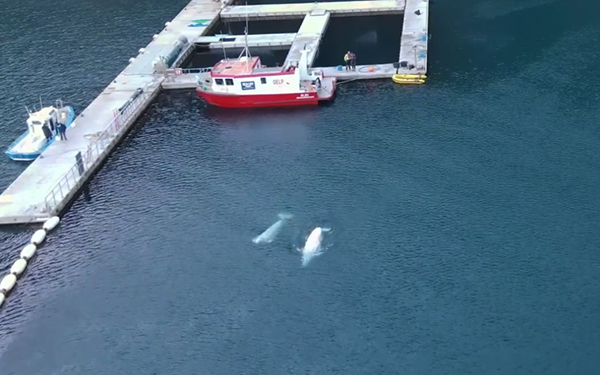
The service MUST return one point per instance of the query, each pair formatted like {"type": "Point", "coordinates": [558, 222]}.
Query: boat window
{"type": "Point", "coordinates": [229, 81]}
{"type": "Point", "coordinates": [35, 122]}
{"type": "Point", "coordinates": [263, 80]}
{"type": "Point", "coordinates": [218, 81]}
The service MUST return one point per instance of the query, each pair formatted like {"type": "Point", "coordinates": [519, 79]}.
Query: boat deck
{"type": "Point", "coordinates": [272, 41]}
{"type": "Point", "coordinates": [49, 182]}
{"type": "Point", "coordinates": [415, 35]}
{"type": "Point", "coordinates": [309, 36]}
{"type": "Point", "coordinates": [290, 11]}
{"type": "Point", "coordinates": [327, 89]}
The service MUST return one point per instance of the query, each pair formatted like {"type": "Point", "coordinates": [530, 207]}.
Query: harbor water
{"type": "Point", "coordinates": [464, 212]}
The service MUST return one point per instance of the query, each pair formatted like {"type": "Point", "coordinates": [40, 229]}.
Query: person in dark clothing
{"type": "Point", "coordinates": [352, 61]}
{"type": "Point", "coordinates": [62, 130]}
{"type": "Point", "coordinates": [47, 133]}
{"type": "Point", "coordinates": [347, 60]}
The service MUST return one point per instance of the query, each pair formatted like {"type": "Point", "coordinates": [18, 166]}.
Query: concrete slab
{"type": "Point", "coordinates": [193, 21]}
{"type": "Point", "coordinates": [376, 71]}
{"type": "Point", "coordinates": [283, 11]}
{"type": "Point", "coordinates": [415, 36]}
{"type": "Point", "coordinates": [309, 36]}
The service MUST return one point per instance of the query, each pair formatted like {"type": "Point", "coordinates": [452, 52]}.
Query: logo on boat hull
{"type": "Point", "coordinates": [249, 85]}
{"type": "Point", "coordinates": [304, 96]}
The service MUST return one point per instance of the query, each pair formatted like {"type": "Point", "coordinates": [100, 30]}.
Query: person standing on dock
{"type": "Point", "coordinates": [347, 60]}
{"type": "Point", "coordinates": [352, 61]}
{"type": "Point", "coordinates": [62, 131]}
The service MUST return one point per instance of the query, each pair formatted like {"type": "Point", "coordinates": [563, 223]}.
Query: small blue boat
{"type": "Point", "coordinates": [41, 131]}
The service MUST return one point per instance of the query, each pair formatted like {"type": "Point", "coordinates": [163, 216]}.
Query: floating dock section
{"type": "Point", "coordinates": [48, 184]}
{"type": "Point", "coordinates": [309, 37]}
{"type": "Point", "coordinates": [271, 41]}
{"type": "Point", "coordinates": [413, 43]}
{"type": "Point", "coordinates": [291, 11]}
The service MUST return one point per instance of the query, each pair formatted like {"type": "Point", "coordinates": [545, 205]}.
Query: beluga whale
{"type": "Point", "coordinates": [312, 246]}
{"type": "Point", "coordinates": [269, 235]}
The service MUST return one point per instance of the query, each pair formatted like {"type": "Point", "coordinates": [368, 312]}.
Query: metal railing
{"type": "Point", "coordinates": [83, 161]}
{"type": "Point", "coordinates": [174, 72]}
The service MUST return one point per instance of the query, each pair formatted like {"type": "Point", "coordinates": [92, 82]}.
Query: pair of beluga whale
{"type": "Point", "coordinates": [312, 246]}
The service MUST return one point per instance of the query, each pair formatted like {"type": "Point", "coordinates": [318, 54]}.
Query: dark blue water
{"type": "Point", "coordinates": [465, 212]}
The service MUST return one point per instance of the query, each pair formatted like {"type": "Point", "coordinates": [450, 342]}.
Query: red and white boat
{"type": "Point", "coordinates": [245, 83]}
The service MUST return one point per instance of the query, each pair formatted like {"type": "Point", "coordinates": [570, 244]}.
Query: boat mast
{"type": "Point", "coordinates": [246, 51]}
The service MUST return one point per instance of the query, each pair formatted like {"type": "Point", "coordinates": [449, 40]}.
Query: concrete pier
{"type": "Point", "coordinates": [291, 11]}
{"type": "Point", "coordinates": [49, 183]}
{"type": "Point", "coordinates": [309, 36]}
{"type": "Point", "coordinates": [271, 41]}
{"type": "Point", "coordinates": [415, 35]}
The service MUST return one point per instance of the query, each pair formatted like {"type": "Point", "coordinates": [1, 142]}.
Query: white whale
{"type": "Point", "coordinates": [312, 246]}
{"type": "Point", "coordinates": [269, 235]}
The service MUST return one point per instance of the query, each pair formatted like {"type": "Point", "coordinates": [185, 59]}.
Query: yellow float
{"type": "Point", "coordinates": [409, 79]}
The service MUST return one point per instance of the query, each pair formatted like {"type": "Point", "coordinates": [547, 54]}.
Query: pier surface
{"type": "Point", "coordinates": [290, 11]}
{"type": "Point", "coordinates": [49, 182]}
{"type": "Point", "coordinates": [415, 35]}
{"type": "Point", "coordinates": [309, 36]}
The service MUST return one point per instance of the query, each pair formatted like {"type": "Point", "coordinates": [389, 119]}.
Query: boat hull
{"type": "Point", "coordinates": [259, 101]}
{"type": "Point", "coordinates": [15, 155]}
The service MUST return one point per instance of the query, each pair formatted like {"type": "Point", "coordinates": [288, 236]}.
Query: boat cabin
{"type": "Point", "coordinates": [247, 76]}
{"type": "Point", "coordinates": [47, 116]}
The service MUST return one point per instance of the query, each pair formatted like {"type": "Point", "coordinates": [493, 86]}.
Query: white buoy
{"type": "Point", "coordinates": [154, 36]}
{"type": "Point", "coordinates": [1, 299]}
{"type": "Point", "coordinates": [142, 50]}
{"type": "Point", "coordinates": [52, 222]}
{"type": "Point", "coordinates": [28, 251]}
{"type": "Point", "coordinates": [38, 237]}
{"type": "Point", "coordinates": [131, 60]}
{"type": "Point", "coordinates": [7, 283]}
{"type": "Point", "coordinates": [18, 267]}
